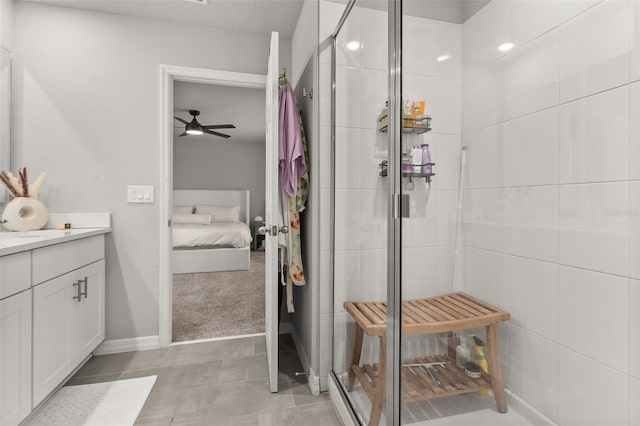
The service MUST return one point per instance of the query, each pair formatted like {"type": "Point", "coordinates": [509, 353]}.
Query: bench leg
{"type": "Point", "coordinates": [355, 356]}
{"type": "Point", "coordinates": [495, 370]}
{"type": "Point", "coordinates": [377, 405]}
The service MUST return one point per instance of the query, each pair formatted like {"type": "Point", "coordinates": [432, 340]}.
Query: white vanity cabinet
{"type": "Point", "coordinates": [15, 358]}
{"type": "Point", "coordinates": [68, 310]}
{"type": "Point", "coordinates": [15, 338]}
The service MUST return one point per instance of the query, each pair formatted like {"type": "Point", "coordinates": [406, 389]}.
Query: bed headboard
{"type": "Point", "coordinates": [218, 197]}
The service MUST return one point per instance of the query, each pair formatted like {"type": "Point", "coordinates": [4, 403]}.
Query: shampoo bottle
{"type": "Point", "coordinates": [462, 353]}
{"type": "Point", "coordinates": [480, 359]}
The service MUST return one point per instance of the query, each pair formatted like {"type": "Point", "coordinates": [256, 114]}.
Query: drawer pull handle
{"type": "Point", "coordinates": [79, 296]}
{"type": "Point", "coordinates": [86, 286]}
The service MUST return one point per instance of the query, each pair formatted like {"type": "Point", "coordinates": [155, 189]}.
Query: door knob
{"type": "Point", "coordinates": [273, 230]}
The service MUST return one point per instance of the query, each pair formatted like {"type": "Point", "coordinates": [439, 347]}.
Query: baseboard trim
{"type": "Point", "coordinates": [533, 415]}
{"type": "Point", "coordinates": [313, 379]}
{"type": "Point", "coordinates": [127, 345]}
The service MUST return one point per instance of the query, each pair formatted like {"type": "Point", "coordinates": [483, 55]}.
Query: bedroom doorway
{"type": "Point", "coordinates": [218, 191]}
{"type": "Point", "coordinates": [170, 74]}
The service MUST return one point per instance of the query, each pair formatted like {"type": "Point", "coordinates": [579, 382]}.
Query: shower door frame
{"type": "Point", "coordinates": [398, 207]}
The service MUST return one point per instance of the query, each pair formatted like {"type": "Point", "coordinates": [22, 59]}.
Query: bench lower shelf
{"type": "Point", "coordinates": [417, 383]}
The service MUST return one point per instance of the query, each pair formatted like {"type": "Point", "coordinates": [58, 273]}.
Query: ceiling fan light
{"type": "Point", "coordinates": [194, 132]}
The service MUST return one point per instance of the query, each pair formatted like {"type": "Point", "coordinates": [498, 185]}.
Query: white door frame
{"type": "Point", "coordinates": [169, 74]}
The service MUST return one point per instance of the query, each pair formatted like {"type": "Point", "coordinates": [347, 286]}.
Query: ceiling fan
{"type": "Point", "coordinates": [194, 128]}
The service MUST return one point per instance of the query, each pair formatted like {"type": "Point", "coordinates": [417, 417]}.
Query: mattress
{"type": "Point", "coordinates": [219, 234]}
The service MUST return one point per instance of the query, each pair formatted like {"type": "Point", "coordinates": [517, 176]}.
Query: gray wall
{"type": "Point", "coordinates": [221, 165]}
{"type": "Point", "coordinates": [87, 102]}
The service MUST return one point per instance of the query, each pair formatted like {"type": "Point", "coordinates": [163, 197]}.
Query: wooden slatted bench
{"type": "Point", "coordinates": [446, 313]}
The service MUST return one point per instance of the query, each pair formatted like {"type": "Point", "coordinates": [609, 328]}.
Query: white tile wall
{"type": "Point", "coordinates": [530, 18]}
{"type": "Point", "coordinates": [634, 328]}
{"type": "Point", "coordinates": [487, 157]}
{"type": "Point", "coordinates": [445, 152]}
{"type": "Point", "coordinates": [348, 219]}
{"type": "Point", "coordinates": [587, 129]}
{"type": "Point", "coordinates": [593, 316]}
{"type": "Point", "coordinates": [634, 254]}
{"type": "Point", "coordinates": [419, 45]}
{"type": "Point", "coordinates": [488, 95]}
{"type": "Point", "coordinates": [594, 50]}
{"type": "Point", "coordinates": [634, 402]}
{"type": "Point", "coordinates": [569, 9]}
{"type": "Point", "coordinates": [533, 142]}
{"type": "Point", "coordinates": [534, 370]}
{"type": "Point", "coordinates": [534, 284]}
{"type": "Point", "coordinates": [349, 96]}
{"type": "Point", "coordinates": [489, 227]}
{"type": "Point", "coordinates": [554, 123]}
{"type": "Point", "coordinates": [634, 128]}
{"type": "Point", "coordinates": [487, 276]}
{"type": "Point", "coordinates": [533, 222]}
{"type": "Point", "coordinates": [606, 403]}
{"type": "Point", "coordinates": [374, 39]}
{"type": "Point", "coordinates": [594, 227]}
{"type": "Point", "coordinates": [635, 42]}
{"type": "Point", "coordinates": [489, 29]}
{"type": "Point", "coordinates": [419, 272]}
{"type": "Point", "coordinates": [349, 158]}
{"type": "Point", "coordinates": [534, 69]}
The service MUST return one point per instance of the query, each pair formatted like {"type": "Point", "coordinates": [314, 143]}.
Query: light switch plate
{"type": "Point", "coordinates": [140, 194]}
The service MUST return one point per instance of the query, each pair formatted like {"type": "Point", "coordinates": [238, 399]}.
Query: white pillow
{"type": "Point", "coordinates": [220, 213]}
{"type": "Point", "coordinates": [199, 219]}
{"type": "Point", "coordinates": [182, 209]}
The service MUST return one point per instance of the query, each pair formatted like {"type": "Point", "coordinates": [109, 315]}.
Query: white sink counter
{"type": "Point", "coordinates": [15, 242]}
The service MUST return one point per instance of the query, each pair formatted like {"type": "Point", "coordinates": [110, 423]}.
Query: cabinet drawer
{"type": "Point", "coordinates": [15, 273]}
{"type": "Point", "coordinates": [53, 261]}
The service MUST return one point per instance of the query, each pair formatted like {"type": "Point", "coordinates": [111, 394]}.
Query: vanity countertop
{"type": "Point", "coordinates": [15, 242]}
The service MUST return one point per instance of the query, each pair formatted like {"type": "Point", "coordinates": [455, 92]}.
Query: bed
{"type": "Point", "coordinates": [211, 247]}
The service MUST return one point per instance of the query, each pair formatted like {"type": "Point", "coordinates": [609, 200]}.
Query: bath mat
{"type": "Point", "coordinates": [115, 403]}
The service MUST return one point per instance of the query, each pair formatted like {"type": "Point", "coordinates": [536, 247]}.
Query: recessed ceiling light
{"type": "Point", "coordinates": [505, 47]}
{"type": "Point", "coordinates": [353, 45]}
{"type": "Point", "coordinates": [443, 58]}
{"type": "Point", "coordinates": [197, 1]}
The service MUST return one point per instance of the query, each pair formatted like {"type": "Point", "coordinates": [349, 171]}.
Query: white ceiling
{"type": "Point", "coordinates": [254, 16]}
{"type": "Point", "coordinates": [243, 107]}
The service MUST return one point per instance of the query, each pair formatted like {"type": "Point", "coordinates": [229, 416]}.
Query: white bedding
{"type": "Point", "coordinates": [219, 234]}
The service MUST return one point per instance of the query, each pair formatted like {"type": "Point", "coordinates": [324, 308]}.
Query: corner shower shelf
{"type": "Point", "coordinates": [384, 172]}
{"type": "Point", "coordinates": [414, 126]}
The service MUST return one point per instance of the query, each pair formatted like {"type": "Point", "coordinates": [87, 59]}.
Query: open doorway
{"type": "Point", "coordinates": [218, 193]}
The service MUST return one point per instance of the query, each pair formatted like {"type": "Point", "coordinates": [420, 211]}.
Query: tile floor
{"type": "Point", "coordinates": [216, 383]}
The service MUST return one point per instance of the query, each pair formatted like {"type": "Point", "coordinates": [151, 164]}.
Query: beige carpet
{"type": "Point", "coordinates": [218, 304]}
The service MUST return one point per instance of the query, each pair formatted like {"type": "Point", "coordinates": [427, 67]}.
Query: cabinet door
{"type": "Point", "coordinates": [53, 334]}
{"type": "Point", "coordinates": [90, 311]}
{"type": "Point", "coordinates": [15, 358]}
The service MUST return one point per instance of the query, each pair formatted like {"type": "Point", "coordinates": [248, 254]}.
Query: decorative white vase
{"type": "Point", "coordinates": [24, 214]}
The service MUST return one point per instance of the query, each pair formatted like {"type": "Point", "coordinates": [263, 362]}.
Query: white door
{"type": "Point", "coordinates": [271, 215]}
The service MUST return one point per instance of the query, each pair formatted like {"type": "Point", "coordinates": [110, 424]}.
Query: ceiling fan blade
{"type": "Point", "coordinates": [211, 132]}
{"type": "Point", "coordinates": [183, 134]}
{"type": "Point", "coordinates": [219, 126]}
{"type": "Point", "coordinates": [181, 120]}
